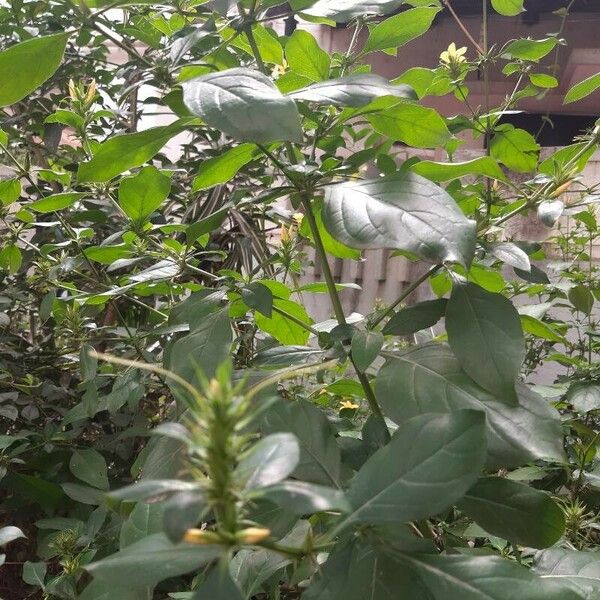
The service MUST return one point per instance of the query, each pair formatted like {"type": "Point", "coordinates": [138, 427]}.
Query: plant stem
{"type": "Point", "coordinates": [409, 290]}
{"type": "Point", "coordinates": [462, 26]}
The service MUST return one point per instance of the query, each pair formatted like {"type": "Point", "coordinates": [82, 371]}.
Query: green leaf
{"type": "Point", "coordinates": [244, 104]}
{"type": "Point", "coordinates": [141, 194]}
{"type": "Point", "coordinates": [107, 255]}
{"type": "Point", "coordinates": [412, 124]}
{"type": "Point", "coordinates": [203, 349]}
{"type": "Point", "coordinates": [431, 461]}
{"type": "Point", "coordinates": [508, 8]}
{"type": "Point", "coordinates": [436, 171]}
{"type": "Point", "coordinates": [581, 298]}
{"type": "Point", "coordinates": [11, 258]}
{"type": "Point", "coordinates": [10, 534]}
{"type": "Point", "coordinates": [282, 328]}
{"type": "Point", "coordinates": [320, 460]}
{"type": "Point", "coordinates": [400, 29]}
{"type": "Point", "coordinates": [83, 493]}
{"type": "Point", "coordinates": [428, 379]}
{"type": "Point", "coordinates": [144, 520]}
{"type": "Point", "coordinates": [10, 191]}
{"type": "Point", "coordinates": [151, 488]}
{"type": "Point", "coordinates": [510, 254]}
{"type": "Point", "coordinates": [305, 57]}
{"type": "Point", "coordinates": [126, 151]}
{"type": "Point", "coordinates": [543, 80]}
{"type": "Point", "coordinates": [219, 585]}
{"type": "Point", "coordinates": [485, 334]}
{"type": "Point", "coordinates": [224, 167]}
{"type": "Point", "coordinates": [482, 578]}
{"type": "Point", "coordinates": [269, 461]}
{"type": "Point", "coordinates": [25, 66]}
{"type": "Point", "coordinates": [149, 561]}
{"type": "Point", "coordinates": [365, 348]}
{"type": "Point", "coordinates": [402, 211]}
{"type": "Point", "coordinates": [352, 90]}
{"type": "Point", "coordinates": [515, 512]}
{"type": "Point", "coordinates": [89, 466]}
{"type": "Point", "coordinates": [331, 245]}
{"type": "Point", "coordinates": [306, 498]}
{"type": "Point", "coordinates": [532, 50]}
{"type": "Point", "coordinates": [540, 329]}
{"type": "Point", "coordinates": [579, 568]}
{"type": "Point", "coordinates": [584, 396]}
{"type": "Point", "coordinates": [182, 512]}
{"type": "Point", "coordinates": [35, 573]}
{"type": "Point", "coordinates": [347, 10]}
{"type": "Point", "coordinates": [583, 89]}
{"type": "Point", "coordinates": [57, 201]}
{"type": "Point", "coordinates": [416, 317]}
{"type": "Point", "coordinates": [259, 297]}
{"type": "Point", "coordinates": [515, 148]}
{"type": "Point", "coordinates": [206, 225]}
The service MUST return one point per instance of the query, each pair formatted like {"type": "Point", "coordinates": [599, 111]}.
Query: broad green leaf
{"type": "Point", "coordinates": [126, 151]}
{"type": "Point", "coordinates": [149, 561]}
{"type": "Point", "coordinates": [9, 534]}
{"type": "Point", "coordinates": [25, 66]}
{"type": "Point", "coordinates": [35, 573]}
{"type": "Point", "coordinates": [343, 11]}
{"type": "Point", "coordinates": [305, 57]}
{"type": "Point", "coordinates": [581, 298]}
{"type": "Point", "coordinates": [416, 317]}
{"type": "Point", "coordinates": [352, 90]}
{"type": "Point", "coordinates": [182, 512]}
{"type": "Point", "coordinates": [543, 80]}
{"type": "Point", "coordinates": [584, 396]}
{"type": "Point", "coordinates": [151, 488]}
{"type": "Point", "coordinates": [306, 498]}
{"type": "Point", "coordinates": [141, 194]}
{"type": "Point", "coordinates": [412, 124]}
{"type": "Point", "coordinates": [219, 585]}
{"type": "Point", "coordinates": [485, 334]}
{"type": "Point", "coordinates": [144, 520]}
{"type": "Point", "coordinates": [244, 104]}
{"type": "Point", "coordinates": [83, 493]}
{"type": "Point", "coordinates": [284, 329]}
{"type": "Point", "coordinates": [515, 148]}
{"type": "Point", "coordinates": [532, 50]}
{"type": "Point", "coordinates": [482, 578]}
{"type": "Point", "coordinates": [56, 201]}
{"type": "Point", "coordinates": [107, 255]}
{"type": "Point", "coordinates": [357, 571]}
{"type": "Point", "coordinates": [436, 171]}
{"type": "Point", "coordinates": [508, 8]}
{"type": "Point", "coordinates": [206, 225]}
{"type": "Point", "coordinates": [103, 590]}
{"type": "Point", "coordinates": [203, 349]}
{"type": "Point", "coordinates": [575, 154]}
{"type": "Point", "coordinates": [431, 461]}
{"type": "Point", "coordinates": [426, 82]}
{"type": "Point", "coordinates": [269, 461]}
{"type": "Point", "coordinates": [365, 348]}
{"type": "Point", "coordinates": [540, 329]}
{"type": "Point", "coordinates": [583, 89]}
{"type": "Point", "coordinates": [403, 211]}
{"type": "Point", "coordinates": [89, 466]}
{"type": "Point", "coordinates": [400, 29]}
{"type": "Point", "coordinates": [332, 246]}
{"type": "Point", "coordinates": [510, 254]}
{"type": "Point", "coordinates": [579, 568]}
{"type": "Point", "coordinates": [514, 511]}
{"type": "Point", "coordinates": [428, 379]}
{"type": "Point", "coordinates": [259, 297]}
{"type": "Point", "coordinates": [10, 191]}
{"type": "Point", "coordinates": [320, 460]}
{"type": "Point", "coordinates": [11, 258]}
{"type": "Point", "coordinates": [224, 167]}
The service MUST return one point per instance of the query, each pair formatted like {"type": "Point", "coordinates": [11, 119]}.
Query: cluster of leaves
{"type": "Point", "coordinates": [175, 423]}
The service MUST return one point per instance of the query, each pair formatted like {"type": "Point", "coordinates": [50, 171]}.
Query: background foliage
{"type": "Point", "coordinates": [175, 425]}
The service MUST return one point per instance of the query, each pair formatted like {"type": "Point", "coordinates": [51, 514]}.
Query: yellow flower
{"type": "Point", "coordinates": [201, 537]}
{"type": "Point", "coordinates": [348, 404]}
{"type": "Point", "coordinates": [453, 56]}
{"type": "Point", "coordinates": [253, 535]}
{"type": "Point", "coordinates": [298, 218]}
{"type": "Point", "coordinates": [279, 70]}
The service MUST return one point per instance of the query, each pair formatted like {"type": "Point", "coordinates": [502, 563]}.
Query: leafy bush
{"type": "Point", "coordinates": [175, 423]}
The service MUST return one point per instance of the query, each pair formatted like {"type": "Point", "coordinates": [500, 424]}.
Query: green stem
{"type": "Point", "coordinates": [409, 290]}
{"type": "Point", "coordinates": [296, 320]}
